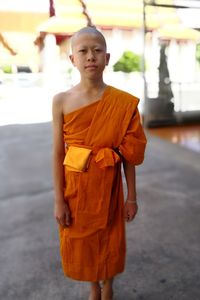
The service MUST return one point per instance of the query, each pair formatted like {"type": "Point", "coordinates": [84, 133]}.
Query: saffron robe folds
{"type": "Point", "coordinates": [93, 247]}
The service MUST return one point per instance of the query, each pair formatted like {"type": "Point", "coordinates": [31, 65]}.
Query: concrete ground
{"type": "Point", "coordinates": [163, 259]}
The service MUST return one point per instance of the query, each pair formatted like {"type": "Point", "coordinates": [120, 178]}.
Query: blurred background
{"type": "Point", "coordinates": [154, 46]}
{"type": "Point", "coordinates": [155, 55]}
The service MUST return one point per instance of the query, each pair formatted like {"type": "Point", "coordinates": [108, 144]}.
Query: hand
{"type": "Point", "coordinates": [130, 210]}
{"type": "Point", "coordinates": [62, 214]}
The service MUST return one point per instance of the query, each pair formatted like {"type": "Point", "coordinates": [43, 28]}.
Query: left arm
{"type": "Point", "coordinates": [132, 150]}
{"type": "Point", "coordinates": [131, 203]}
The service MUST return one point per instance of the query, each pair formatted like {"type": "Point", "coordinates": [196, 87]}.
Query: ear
{"type": "Point", "coordinates": [71, 57]}
{"type": "Point", "coordinates": [107, 58]}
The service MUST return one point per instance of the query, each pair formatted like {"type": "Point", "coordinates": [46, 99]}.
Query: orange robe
{"type": "Point", "coordinates": [93, 247]}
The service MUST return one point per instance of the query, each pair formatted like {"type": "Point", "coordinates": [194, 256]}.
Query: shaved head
{"type": "Point", "coordinates": [88, 30]}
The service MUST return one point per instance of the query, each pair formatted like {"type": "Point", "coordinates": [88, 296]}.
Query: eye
{"type": "Point", "coordinates": [82, 51]}
{"type": "Point", "coordinates": [98, 50]}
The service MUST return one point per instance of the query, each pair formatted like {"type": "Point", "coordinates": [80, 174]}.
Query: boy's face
{"type": "Point", "coordinates": [89, 55]}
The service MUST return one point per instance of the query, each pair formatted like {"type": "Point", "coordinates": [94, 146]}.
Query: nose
{"type": "Point", "coordinates": [91, 56]}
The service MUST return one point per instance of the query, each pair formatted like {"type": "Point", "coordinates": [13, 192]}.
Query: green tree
{"type": "Point", "coordinates": [129, 62]}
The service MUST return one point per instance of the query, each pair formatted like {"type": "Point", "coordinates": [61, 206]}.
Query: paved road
{"type": "Point", "coordinates": [163, 242]}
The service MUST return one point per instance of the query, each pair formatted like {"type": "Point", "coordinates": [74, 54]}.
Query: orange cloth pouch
{"type": "Point", "coordinates": [77, 159]}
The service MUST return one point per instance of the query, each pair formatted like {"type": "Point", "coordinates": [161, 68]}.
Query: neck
{"type": "Point", "coordinates": [95, 84]}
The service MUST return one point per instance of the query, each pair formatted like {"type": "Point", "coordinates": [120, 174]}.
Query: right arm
{"type": "Point", "coordinates": [61, 210]}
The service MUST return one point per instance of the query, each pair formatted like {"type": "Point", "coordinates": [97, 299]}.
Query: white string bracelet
{"type": "Point", "coordinates": [131, 201]}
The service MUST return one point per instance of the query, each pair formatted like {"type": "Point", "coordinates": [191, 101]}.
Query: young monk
{"type": "Point", "coordinates": [96, 127]}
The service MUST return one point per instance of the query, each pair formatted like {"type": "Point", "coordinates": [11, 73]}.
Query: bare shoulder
{"type": "Point", "coordinates": [68, 101]}
{"type": "Point", "coordinates": [59, 101]}
{"type": "Point", "coordinates": [71, 99]}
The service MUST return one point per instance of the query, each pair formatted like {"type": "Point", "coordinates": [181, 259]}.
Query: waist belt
{"type": "Point", "coordinates": [77, 158]}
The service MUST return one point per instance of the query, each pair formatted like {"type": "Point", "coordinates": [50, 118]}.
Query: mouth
{"type": "Point", "coordinates": [91, 67]}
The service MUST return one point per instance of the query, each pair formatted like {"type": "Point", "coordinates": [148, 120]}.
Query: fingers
{"type": "Point", "coordinates": [130, 213]}
{"type": "Point", "coordinates": [65, 220]}
{"type": "Point", "coordinates": [68, 219]}
{"type": "Point", "coordinates": [129, 218]}
{"type": "Point", "coordinates": [61, 221]}
{"type": "Point", "coordinates": [62, 214]}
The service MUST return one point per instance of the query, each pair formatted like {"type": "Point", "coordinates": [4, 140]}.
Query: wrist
{"type": "Point", "coordinates": [131, 197]}
{"type": "Point", "coordinates": [59, 200]}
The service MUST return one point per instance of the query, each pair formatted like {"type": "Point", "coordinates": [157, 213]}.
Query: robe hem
{"type": "Point", "coordinates": [94, 279]}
